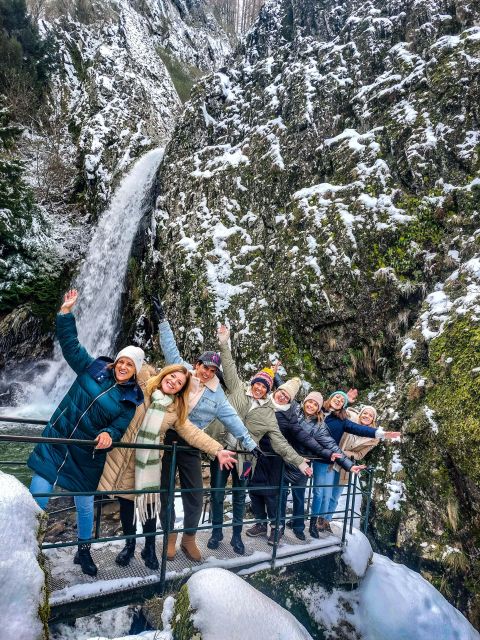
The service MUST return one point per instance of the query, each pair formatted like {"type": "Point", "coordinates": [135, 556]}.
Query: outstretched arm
{"type": "Point", "coordinates": [231, 420]}
{"type": "Point", "coordinates": [66, 329]}
{"type": "Point", "coordinates": [200, 440]}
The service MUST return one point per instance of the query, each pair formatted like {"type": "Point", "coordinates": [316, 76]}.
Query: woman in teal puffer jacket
{"type": "Point", "coordinates": [98, 406]}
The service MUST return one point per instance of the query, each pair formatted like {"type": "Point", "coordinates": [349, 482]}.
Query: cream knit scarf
{"type": "Point", "coordinates": [147, 461]}
{"type": "Point", "coordinates": [281, 407]}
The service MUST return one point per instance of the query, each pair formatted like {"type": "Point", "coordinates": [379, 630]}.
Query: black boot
{"type": "Point", "coordinates": [215, 539]}
{"type": "Point", "coordinates": [313, 531]}
{"type": "Point", "coordinates": [148, 554]}
{"type": "Point", "coordinates": [126, 554]}
{"type": "Point", "coordinates": [84, 559]}
{"type": "Point", "coordinates": [237, 544]}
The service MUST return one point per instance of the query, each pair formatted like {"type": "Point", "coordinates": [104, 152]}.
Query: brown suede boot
{"type": "Point", "coordinates": [171, 547]}
{"type": "Point", "coordinates": [189, 547]}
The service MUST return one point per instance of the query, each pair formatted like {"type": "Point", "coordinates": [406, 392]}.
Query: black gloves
{"type": "Point", "coordinates": [257, 452]}
{"type": "Point", "coordinates": [158, 310]}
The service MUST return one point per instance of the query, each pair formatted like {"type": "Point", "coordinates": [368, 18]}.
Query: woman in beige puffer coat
{"type": "Point", "coordinates": [119, 470]}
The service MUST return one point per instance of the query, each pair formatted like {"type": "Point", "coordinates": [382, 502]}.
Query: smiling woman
{"type": "Point", "coordinates": [98, 406]}
{"type": "Point", "coordinates": [165, 407]}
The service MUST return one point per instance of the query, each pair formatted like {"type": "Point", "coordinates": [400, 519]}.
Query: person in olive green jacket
{"type": "Point", "coordinates": [255, 409]}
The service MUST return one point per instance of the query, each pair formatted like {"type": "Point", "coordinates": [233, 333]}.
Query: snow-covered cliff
{"type": "Point", "coordinates": [316, 194]}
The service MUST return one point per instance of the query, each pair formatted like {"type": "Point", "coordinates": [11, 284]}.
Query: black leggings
{"type": "Point", "coordinates": [189, 465]}
{"type": "Point", "coordinates": [127, 510]}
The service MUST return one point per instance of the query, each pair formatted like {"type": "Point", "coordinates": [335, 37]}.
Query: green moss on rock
{"type": "Point", "coordinates": [182, 624]}
{"type": "Point", "coordinates": [454, 359]}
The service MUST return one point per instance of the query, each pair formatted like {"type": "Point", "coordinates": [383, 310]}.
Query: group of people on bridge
{"type": "Point", "coordinates": [253, 431]}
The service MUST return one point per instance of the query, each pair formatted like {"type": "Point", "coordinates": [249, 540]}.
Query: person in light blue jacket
{"type": "Point", "coordinates": [207, 401]}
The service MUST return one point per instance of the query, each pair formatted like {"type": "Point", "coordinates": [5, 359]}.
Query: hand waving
{"type": "Point", "coordinates": [158, 310]}
{"type": "Point", "coordinates": [69, 300]}
{"type": "Point", "coordinates": [223, 334]}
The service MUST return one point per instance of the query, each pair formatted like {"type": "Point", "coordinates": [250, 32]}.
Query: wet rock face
{"type": "Point", "coordinates": [311, 192]}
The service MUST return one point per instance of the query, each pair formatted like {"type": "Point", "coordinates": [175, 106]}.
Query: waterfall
{"type": "Point", "coordinates": [100, 281]}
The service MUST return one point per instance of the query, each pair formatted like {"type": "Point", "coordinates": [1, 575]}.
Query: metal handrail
{"type": "Point", "coordinates": [171, 491]}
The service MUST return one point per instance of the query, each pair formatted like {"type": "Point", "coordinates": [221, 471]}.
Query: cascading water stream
{"type": "Point", "coordinates": [100, 281]}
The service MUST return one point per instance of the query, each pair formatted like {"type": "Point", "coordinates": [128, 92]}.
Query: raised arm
{"type": "Point", "coordinates": [230, 373]}
{"type": "Point", "coordinates": [66, 329]}
{"type": "Point", "coordinates": [369, 432]}
{"type": "Point", "coordinates": [169, 346]}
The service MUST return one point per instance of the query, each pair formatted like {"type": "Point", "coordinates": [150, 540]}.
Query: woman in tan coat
{"type": "Point", "coordinates": [165, 407]}
{"type": "Point", "coordinates": [355, 447]}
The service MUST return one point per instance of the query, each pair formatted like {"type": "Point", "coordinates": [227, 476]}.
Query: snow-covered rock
{"type": "Point", "coordinates": [22, 593]}
{"type": "Point", "coordinates": [220, 605]}
{"type": "Point", "coordinates": [391, 602]}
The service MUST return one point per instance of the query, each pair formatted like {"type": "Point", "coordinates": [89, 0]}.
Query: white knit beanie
{"type": "Point", "coordinates": [292, 387]}
{"type": "Point", "coordinates": [135, 354]}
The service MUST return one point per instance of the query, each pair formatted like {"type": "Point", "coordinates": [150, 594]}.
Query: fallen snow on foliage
{"type": "Point", "coordinates": [408, 346]}
{"type": "Point", "coordinates": [429, 414]}
{"type": "Point", "coordinates": [21, 577]}
{"type": "Point", "coordinates": [226, 606]}
{"type": "Point", "coordinates": [396, 495]}
{"type": "Point", "coordinates": [391, 602]}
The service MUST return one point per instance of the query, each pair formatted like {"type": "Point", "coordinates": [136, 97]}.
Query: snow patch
{"type": "Point", "coordinates": [21, 577]}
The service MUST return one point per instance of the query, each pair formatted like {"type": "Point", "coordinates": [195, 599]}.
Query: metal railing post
{"type": "Point", "coordinates": [168, 516]}
{"type": "Point", "coordinates": [352, 510]}
{"type": "Point", "coordinates": [345, 515]}
{"type": "Point", "coordinates": [98, 517]}
{"type": "Point", "coordinates": [310, 489]}
{"type": "Point", "coordinates": [277, 519]}
{"type": "Point", "coordinates": [369, 499]}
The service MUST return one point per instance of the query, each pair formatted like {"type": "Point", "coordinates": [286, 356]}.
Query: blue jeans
{"type": "Point", "coordinates": [298, 499]}
{"type": "Point", "coordinates": [336, 493]}
{"type": "Point", "coordinates": [84, 505]}
{"type": "Point", "coordinates": [322, 495]}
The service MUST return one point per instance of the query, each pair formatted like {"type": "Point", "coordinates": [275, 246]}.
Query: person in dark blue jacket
{"type": "Point", "coordinates": [98, 406]}
{"type": "Point", "coordinates": [323, 474]}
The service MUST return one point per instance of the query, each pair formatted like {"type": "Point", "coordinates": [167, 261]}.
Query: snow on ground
{"type": "Point", "coordinates": [391, 602]}
{"type": "Point", "coordinates": [21, 577]}
{"type": "Point", "coordinates": [227, 607]}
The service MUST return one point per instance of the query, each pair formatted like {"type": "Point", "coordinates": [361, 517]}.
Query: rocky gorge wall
{"type": "Point", "coordinates": [322, 195]}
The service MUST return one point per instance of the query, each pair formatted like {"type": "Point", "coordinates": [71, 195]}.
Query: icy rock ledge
{"type": "Point", "coordinates": [216, 604]}
{"type": "Point", "coordinates": [22, 594]}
